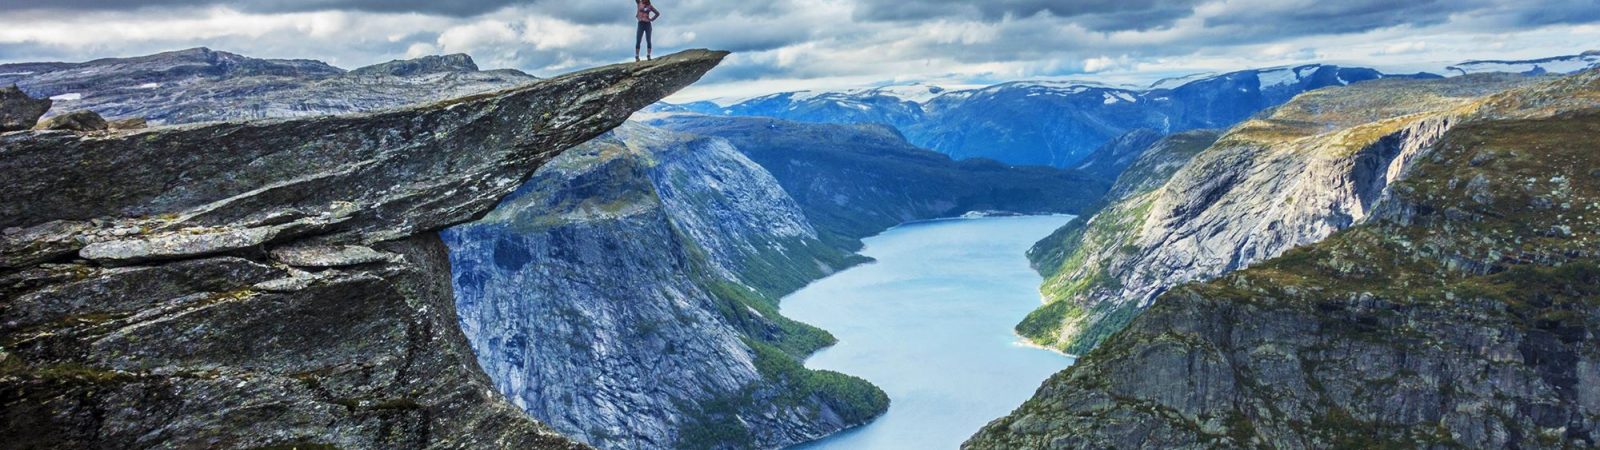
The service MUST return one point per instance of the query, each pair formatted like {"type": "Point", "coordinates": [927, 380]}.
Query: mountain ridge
{"type": "Point", "coordinates": [855, 181]}
{"type": "Point", "coordinates": [1087, 114]}
{"type": "Point", "coordinates": [204, 85]}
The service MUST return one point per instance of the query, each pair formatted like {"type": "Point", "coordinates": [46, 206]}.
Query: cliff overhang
{"type": "Point", "coordinates": [275, 282]}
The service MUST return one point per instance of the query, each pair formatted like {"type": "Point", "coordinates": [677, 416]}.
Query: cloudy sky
{"type": "Point", "coordinates": [797, 44]}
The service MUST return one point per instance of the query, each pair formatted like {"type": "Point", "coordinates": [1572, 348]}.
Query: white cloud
{"type": "Point", "coordinates": [477, 36]}
{"type": "Point", "coordinates": [797, 44]}
{"type": "Point", "coordinates": [1404, 48]}
{"type": "Point", "coordinates": [1100, 64]}
{"type": "Point", "coordinates": [421, 49]}
{"type": "Point", "coordinates": [550, 34]}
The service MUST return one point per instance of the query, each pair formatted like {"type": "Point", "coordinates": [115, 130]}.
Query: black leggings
{"type": "Point", "coordinates": [645, 34]}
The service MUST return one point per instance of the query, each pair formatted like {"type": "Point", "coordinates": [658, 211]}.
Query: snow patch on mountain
{"type": "Point", "coordinates": [919, 93]}
{"type": "Point", "coordinates": [1114, 97]}
{"type": "Point", "coordinates": [1176, 82]}
{"type": "Point", "coordinates": [1278, 77]}
{"type": "Point", "coordinates": [915, 93]}
{"type": "Point", "coordinates": [801, 96]}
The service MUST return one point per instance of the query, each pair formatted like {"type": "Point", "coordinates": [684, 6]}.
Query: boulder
{"type": "Point", "coordinates": [18, 111]}
{"type": "Point", "coordinates": [82, 121]}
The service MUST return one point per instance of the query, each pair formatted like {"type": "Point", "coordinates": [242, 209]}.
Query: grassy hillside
{"type": "Point", "coordinates": [1198, 206]}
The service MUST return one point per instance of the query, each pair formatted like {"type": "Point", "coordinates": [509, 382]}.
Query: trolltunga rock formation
{"type": "Point", "coordinates": [276, 282]}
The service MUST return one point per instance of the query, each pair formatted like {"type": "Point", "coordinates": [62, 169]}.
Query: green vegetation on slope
{"type": "Point", "coordinates": [780, 344]}
{"type": "Point", "coordinates": [1098, 272]}
{"type": "Point", "coordinates": [1076, 259]}
{"type": "Point", "coordinates": [1478, 285]}
{"type": "Point", "coordinates": [790, 387]}
{"type": "Point", "coordinates": [750, 303]}
{"type": "Point", "coordinates": [743, 255]}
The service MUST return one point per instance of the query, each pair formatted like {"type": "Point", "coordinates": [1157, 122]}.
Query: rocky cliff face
{"type": "Point", "coordinates": [1460, 314]}
{"type": "Point", "coordinates": [1101, 239]}
{"type": "Point", "coordinates": [627, 296]}
{"type": "Point", "coordinates": [274, 282]}
{"type": "Point", "coordinates": [201, 85]}
{"type": "Point", "coordinates": [1310, 168]}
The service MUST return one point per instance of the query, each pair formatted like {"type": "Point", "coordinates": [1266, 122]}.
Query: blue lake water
{"type": "Point", "coordinates": [931, 323]}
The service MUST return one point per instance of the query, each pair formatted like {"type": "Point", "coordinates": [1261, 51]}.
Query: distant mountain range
{"type": "Point", "coordinates": [1059, 123]}
{"type": "Point", "coordinates": [1542, 66]}
{"type": "Point", "coordinates": [900, 106]}
{"type": "Point", "coordinates": [855, 181]}
{"type": "Point", "coordinates": [200, 85]}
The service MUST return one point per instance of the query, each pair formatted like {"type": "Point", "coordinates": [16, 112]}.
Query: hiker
{"type": "Point", "coordinates": [646, 15]}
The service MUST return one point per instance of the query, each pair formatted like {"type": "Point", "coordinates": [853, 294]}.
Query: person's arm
{"type": "Point", "coordinates": [655, 13]}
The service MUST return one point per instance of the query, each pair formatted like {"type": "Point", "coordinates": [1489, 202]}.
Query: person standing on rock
{"type": "Point", "coordinates": [647, 15]}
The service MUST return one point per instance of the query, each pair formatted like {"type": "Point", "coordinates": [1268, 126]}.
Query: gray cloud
{"type": "Point", "coordinates": [1548, 12]}
{"type": "Point", "coordinates": [580, 11]}
{"type": "Point", "coordinates": [1347, 16]}
{"type": "Point", "coordinates": [451, 8]}
{"type": "Point", "coordinates": [803, 39]}
{"type": "Point", "coordinates": [1098, 15]}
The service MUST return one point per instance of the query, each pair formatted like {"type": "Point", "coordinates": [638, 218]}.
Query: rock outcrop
{"type": "Point", "coordinates": [420, 66]}
{"type": "Point", "coordinates": [18, 111]}
{"type": "Point", "coordinates": [1312, 167]}
{"type": "Point", "coordinates": [1461, 313]}
{"type": "Point", "coordinates": [274, 282]}
{"type": "Point", "coordinates": [627, 296]}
